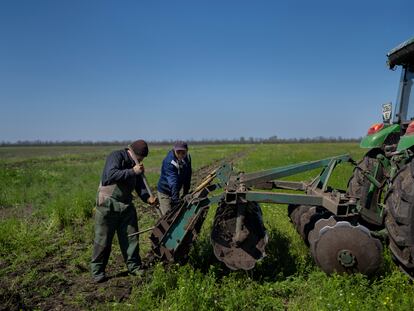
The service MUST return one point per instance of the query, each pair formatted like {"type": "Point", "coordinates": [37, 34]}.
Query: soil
{"type": "Point", "coordinates": [7, 212]}
{"type": "Point", "coordinates": [61, 286]}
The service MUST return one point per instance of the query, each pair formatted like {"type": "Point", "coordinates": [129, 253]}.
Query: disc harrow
{"type": "Point", "coordinates": [325, 218]}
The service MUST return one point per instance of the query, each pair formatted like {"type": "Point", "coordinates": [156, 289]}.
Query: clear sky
{"type": "Point", "coordinates": [119, 70]}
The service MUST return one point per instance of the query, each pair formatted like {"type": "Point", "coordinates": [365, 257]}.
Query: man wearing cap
{"type": "Point", "coordinates": [115, 211]}
{"type": "Point", "coordinates": [175, 174]}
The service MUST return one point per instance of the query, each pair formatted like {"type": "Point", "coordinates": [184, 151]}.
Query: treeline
{"type": "Point", "coordinates": [241, 140]}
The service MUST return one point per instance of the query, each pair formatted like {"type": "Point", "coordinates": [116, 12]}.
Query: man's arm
{"type": "Point", "coordinates": [114, 171]}
{"type": "Point", "coordinates": [141, 189]}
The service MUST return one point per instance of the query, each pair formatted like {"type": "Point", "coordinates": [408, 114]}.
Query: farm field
{"type": "Point", "coordinates": [47, 198]}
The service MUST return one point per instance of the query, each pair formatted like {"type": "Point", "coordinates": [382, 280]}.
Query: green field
{"type": "Point", "coordinates": [47, 197]}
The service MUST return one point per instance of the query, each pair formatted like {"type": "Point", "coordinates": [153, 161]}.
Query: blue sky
{"type": "Point", "coordinates": [119, 70]}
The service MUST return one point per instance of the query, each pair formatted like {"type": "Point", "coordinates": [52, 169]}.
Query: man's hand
{"type": "Point", "coordinates": [187, 197]}
{"type": "Point", "coordinates": [139, 169]}
{"type": "Point", "coordinates": [152, 200]}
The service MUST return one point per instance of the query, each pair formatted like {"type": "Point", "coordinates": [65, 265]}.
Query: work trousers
{"type": "Point", "coordinates": [165, 202]}
{"type": "Point", "coordinates": [108, 220]}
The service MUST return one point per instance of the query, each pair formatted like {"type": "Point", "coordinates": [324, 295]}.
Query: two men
{"type": "Point", "coordinates": [115, 211]}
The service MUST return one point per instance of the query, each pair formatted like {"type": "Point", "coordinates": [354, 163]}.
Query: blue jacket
{"type": "Point", "coordinates": [174, 175]}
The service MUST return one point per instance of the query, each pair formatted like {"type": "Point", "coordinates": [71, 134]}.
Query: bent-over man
{"type": "Point", "coordinates": [115, 211]}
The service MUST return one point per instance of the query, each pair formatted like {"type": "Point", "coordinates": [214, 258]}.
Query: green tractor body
{"type": "Point", "coordinates": [383, 182]}
{"type": "Point", "coordinates": [396, 132]}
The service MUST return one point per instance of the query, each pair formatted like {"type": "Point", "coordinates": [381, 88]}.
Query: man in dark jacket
{"type": "Point", "coordinates": [175, 174]}
{"type": "Point", "coordinates": [115, 211]}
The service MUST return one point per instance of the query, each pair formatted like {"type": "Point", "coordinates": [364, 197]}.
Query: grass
{"type": "Point", "coordinates": [47, 196]}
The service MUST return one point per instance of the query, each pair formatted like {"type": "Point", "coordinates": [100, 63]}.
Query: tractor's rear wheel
{"type": "Point", "coordinates": [359, 188]}
{"type": "Point", "coordinates": [400, 217]}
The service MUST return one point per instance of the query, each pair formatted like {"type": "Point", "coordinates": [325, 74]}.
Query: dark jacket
{"type": "Point", "coordinates": [118, 170]}
{"type": "Point", "coordinates": [174, 175]}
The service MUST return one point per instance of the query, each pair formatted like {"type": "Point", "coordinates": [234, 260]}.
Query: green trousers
{"type": "Point", "coordinates": [111, 217]}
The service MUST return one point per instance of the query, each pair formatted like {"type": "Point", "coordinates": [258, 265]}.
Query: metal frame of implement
{"type": "Point", "coordinates": [174, 233]}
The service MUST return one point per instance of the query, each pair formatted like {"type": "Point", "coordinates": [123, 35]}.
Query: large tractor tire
{"type": "Point", "coordinates": [400, 217]}
{"type": "Point", "coordinates": [359, 186]}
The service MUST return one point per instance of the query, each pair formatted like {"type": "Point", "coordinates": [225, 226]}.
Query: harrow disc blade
{"type": "Point", "coordinates": [242, 250]}
{"type": "Point", "coordinates": [344, 248]}
{"type": "Point", "coordinates": [305, 222]}
{"type": "Point", "coordinates": [314, 234]}
{"type": "Point", "coordinates": [296, 215]}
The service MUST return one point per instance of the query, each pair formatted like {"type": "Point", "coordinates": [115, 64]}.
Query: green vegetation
{"type": "Point", "coordinates": [47, 196]}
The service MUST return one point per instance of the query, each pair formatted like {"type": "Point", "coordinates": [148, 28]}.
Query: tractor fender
{"type": "Point", "coordinates": [376, 140]}
{"type": "Point", "coordinates": [406, 142]}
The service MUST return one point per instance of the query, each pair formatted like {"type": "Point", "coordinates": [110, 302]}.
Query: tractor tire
{"type": "Point", "coordinates": [399, 220]}
{"type": "Point", "coordinates": [358, 188]}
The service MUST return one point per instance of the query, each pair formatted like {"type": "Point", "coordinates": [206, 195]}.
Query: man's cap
{"type": "Point", "coordinates": [139, 147]}
{"type": "Point", "coordinates": [180, 145]}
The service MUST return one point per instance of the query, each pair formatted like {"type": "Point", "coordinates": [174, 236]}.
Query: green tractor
{"type": "Point", "coordinates": [382, 184]}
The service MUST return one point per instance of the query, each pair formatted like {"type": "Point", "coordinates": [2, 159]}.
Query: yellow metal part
{"type": "Point", "coordinates": [206, 181]}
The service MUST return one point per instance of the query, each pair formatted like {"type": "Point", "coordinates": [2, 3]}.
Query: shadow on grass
{"type": "Point", "coordinates": [278, 264]}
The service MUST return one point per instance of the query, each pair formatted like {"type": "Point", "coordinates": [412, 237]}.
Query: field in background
{"type": "Point", "coordinates": [47, 196]}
